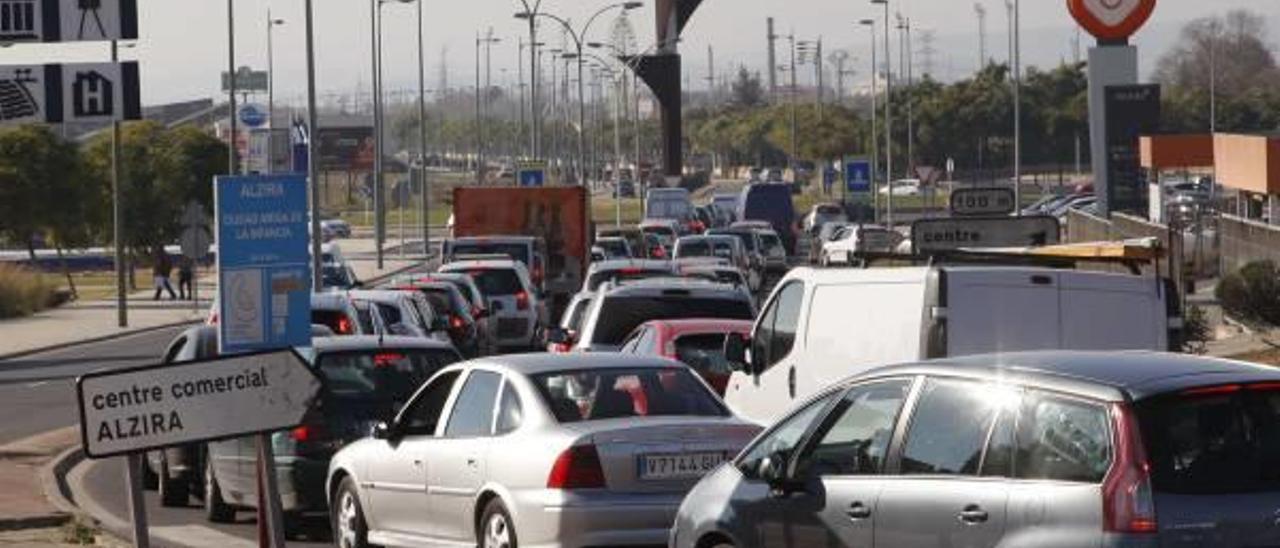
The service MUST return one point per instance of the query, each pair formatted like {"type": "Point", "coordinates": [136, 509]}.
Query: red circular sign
{"type": "Point", "coordinates": [1111, 19]}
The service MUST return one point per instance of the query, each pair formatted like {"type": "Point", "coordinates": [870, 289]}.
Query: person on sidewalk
{"type": "Point", "coordinates": [186, 276]}
{"type": "Point", "coordinates": [161, 267]}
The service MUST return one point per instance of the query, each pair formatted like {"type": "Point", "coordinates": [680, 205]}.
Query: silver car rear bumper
{"type": "Point", "coordinates": [554, 518]}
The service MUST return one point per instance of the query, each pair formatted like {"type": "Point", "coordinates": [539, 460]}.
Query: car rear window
{"type": "Point", "coordinates": [667, 209]}
{"type": "Point", "coordinates": [704, 353]}
{"type": "Point", "coordinates": [387, 376]}
{"type": "Point", "coordinates": [600, 394]}
{"type": "Point", "coordinates": [1214, 441]}
{"type": "Point", "coordinates": [515, 251]}
{"type": "Point", "coordinates": [748, 240]}
{"type": "Point", "coordinates": [771, 241]}
{"type": "Point", "coordinates": [496, 281]}
{"type": "Point", "coordinates": [624, 275]}
{"type": "Point", "coordinates": [441, 301]}
{"type": "Point", "coordinates": [619, 315]}
{"type": "Point", "coordinates": [705, 248]}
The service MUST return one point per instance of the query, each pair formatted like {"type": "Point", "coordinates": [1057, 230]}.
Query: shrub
{"type": "Point", "coordinates": [1252, 294]}
{"type": "Point", "coordinates": [23, 292]}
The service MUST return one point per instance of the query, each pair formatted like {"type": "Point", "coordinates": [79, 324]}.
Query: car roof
{"type": "Point", "coordinates": [537, 363]}
{"type": "Point", "coordinates": [380, 295]}
{"type": "Point", "coordinates": [373, 342]}
{"type": "Point", "coordinates": [1106, 375]}
{"type": "Point", "coordinates": [619, 264]}
{"type": "Point", "coordinates": [329, 300]}
{"type": "Point", "coordinates": [702, 325]}
{"type": "Point", "coordinates": [481, 264]}
{"type": "Point", "coordinates": [658, 286]}
{"type": "Point", "coordinates": [715, 237]}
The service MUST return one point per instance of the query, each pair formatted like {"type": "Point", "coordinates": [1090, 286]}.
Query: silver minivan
{"type": "Point", "coordinates": [1044, 449]}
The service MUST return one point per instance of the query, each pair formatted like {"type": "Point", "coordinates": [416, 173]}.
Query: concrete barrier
{"type": "Point", "coordinates": [1245, 241]}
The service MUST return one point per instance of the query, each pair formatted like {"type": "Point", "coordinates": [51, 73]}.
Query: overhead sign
{"type": "Point", "coordinates": [345, 148]}
{"type": "Point", "coordinates": [253, 115]}
{"type": "Point", "coordinates": [1111, 19]}
{"type": "Point", "coordinates": [982, 202]}
{"type": "Point", "coordinates": [247, 80]}
{"type": "Point", "coordinates": [531, 173]}
{"type": "Point", "coordinates": [133, 410]}
{"type": "Point", "coordinates": [77, 92]}
{"type": "Point", "coordinates": [68, 20]}
{"type": "Point", "coordinates": [930, 235]}
{"type": "Point", "coordinates": [264, 263]}
{"type": "Point", "coordinates": [857, 175]}
{"type": "Point", "coordinates": [1132, 111]}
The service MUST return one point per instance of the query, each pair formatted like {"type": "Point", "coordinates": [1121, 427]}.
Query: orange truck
{"type": "Point", "coordinates": [560, 216]}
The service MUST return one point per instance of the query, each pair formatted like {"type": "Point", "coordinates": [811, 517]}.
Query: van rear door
{"type": "Point", "coordinates": [1000, 310]}
{"type": "Point", "coordinates": [1112, 312]}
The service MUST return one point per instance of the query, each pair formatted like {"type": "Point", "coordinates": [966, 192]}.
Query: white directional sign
{"type": "Point", "coordinates": [77, 92]}
{"type": "Point", "coordinates": [969, 202]}
{"type": "Point", "coordinates": [929, 235]}
{"type": "Point", "coordinates": [161, 406]}
{"type": "Point", "coordinates": [68, 20]}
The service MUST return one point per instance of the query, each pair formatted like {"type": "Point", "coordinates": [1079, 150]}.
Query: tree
{"type": "Point", "coordinates": [747, 90]}
{"type": "Point", "coordinates": [41, 190]}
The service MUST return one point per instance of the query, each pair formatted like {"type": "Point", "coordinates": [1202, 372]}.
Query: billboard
{"type": "Point", "coordinates": [1132, 111]}
{"type": "Point", "coordinates": [345, 148]}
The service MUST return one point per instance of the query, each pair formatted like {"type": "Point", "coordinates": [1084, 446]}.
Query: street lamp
{"type": "Point", "coordinates": [578, 37]}
{"type": "Point", "coordinates": [888, 116]}
{"type": "Point", "coordinates": [271, 92]}
{"type": "Point", "coordinates": [875, 149]}
{"type": "Point", "coordinates": [487, 41]}
{"type": "Point", "coordinates": [635, 93]}
{"type": "Point", "coordinates": [379, 202]}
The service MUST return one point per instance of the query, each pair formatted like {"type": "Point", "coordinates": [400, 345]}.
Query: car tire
{"type": "Point", "coordinates": [173, 492]}
{"type": "Point", "coordinates": [216, 510]}
{"type": "Point", "coordinates": [350, 530]}
{"type": "Point", "coordinates": [496, 529]}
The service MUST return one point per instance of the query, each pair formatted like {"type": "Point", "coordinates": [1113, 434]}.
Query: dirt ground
{"type": "Point", "coordinates": [1267, 357]}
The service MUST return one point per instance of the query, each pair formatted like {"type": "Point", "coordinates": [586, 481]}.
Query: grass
{"type": "Point", "coordinates": [24, 292]}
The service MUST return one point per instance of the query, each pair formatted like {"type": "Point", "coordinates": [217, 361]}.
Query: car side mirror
{"type": "Point", "coordinates": [381, 431]}
{"type": "Point", "coordinates": [773, 471]}
{"type": "Point", "coordinates": [735, 351]}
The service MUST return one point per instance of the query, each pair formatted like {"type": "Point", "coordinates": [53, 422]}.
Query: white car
{"type": "Point", "coordinates": [851, 240]}
{"type": "Point", "coordinates": [512, 299]}
{"type": "Point", "coordinates": [903, 187]}
{"type": "Point", "coordinates": [535, 450]}
{"type": "Point", "coordinates": [403, 313]}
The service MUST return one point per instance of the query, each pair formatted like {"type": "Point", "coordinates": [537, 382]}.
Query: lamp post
{"type": "Point", "coordinates": [888, 116]}
{"type": "Point", "coordinates": [1017, 106]}
{"type": "Point", "coordinates": [272, 23]}
{"type": "Point", "coordinates": [578, 37]}
{"type": "Point", "coordinates": [481, 41]}
{"type": "Point", "coordinates": [875, 149]}
{"type": "Point", "coordinates": [422, 137]}
{"type": "Point", "coordinates": [379, 198]}
{"type": "Point", "coordinates": [791, 38]}
{"type": "Point", "coordinates": [535, 137]}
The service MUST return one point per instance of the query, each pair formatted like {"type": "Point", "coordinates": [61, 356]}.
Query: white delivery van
{"type": "Point", "coordinates": [822, 325]}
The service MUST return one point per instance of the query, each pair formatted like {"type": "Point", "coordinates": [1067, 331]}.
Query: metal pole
{"type": "Point", "coordinates": [888, 120]}
{"type": "Point", "coordinates": [313, 160]}
{"type": "Point", "coordinates": [1213, 81]}
{"type": "Point", "coordinates": [479, 123]}
{"type": "Point", "coordinates": [488, 85]}
{"type": "Point", "coordinates": [911, 102]}
{"type": "Point", "coordinates": [819, 68]}
{"type": "Point", "coordinates": [267, 467]}
{"type": "Point", "coordinates": [375, 44]}
{"type": "Point", "coordinates": [535, 114]}
{"type": "Point", "coordinates": [1017, 107]}
{"type": "Point", "coordinates": [520, 84]}
{"type": "Point", "coordinates": [422, 138]}
{"type": "Point", "coordinates": [794, 138]}
{"type": "Point", "coordinates": [271, 95]}
{"type": "Point", "coordinates": [137, 504]}
{"type": "Point", "coordinates": [582, 121]}
{"type": "Point", "coordinates": [619, 98]}
{"type": "Point", "coordinates": [231, 85]}
{"type": "Point", "coordinates": [875, 147]}
{"type": "Point", "coordinates": [117, 215]}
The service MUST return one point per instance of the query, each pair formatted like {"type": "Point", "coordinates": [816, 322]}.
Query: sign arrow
{"type": "Point", "coordinates": [133, 410]}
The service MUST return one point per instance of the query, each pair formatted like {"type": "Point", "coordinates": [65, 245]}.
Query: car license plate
{"type": "Point", "coordinates": [678, 466]}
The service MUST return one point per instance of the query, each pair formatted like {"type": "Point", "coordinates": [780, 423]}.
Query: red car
{"type": "Point", "coordinates": [697, 343]}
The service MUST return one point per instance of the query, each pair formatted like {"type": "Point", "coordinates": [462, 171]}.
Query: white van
{"type": "Point", "coordinates": [822, 325]}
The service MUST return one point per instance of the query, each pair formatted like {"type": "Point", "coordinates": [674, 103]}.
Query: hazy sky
{"type": "Point", "coordinates": [183, 45]}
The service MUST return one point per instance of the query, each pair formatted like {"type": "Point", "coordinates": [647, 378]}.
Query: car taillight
{"type": "Point", "coordinates": [344, 326]}
{"type": "Point", "coordinates": [456, 323]}
{"type": "Point", "coordinates": [522, 300]}
{"type": "Point", "coordinates": [1128, 505]}
{"type": "Point", "coordinates": [578, 467]}
{"type": "Point", "coordinates": [306, 433]}
{"type": "Point", "coordinates": [387, 359]}
{"type": "Point", "coordinates": [561, 348]}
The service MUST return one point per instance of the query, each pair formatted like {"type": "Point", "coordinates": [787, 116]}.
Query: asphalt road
{"type": "Point", "coordinates": [37, 392]}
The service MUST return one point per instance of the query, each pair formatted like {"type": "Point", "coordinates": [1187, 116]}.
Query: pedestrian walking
{"type": "Point", "coordinates": [161, 267]}
{"type": "Point", "coordinates": [186, 277]}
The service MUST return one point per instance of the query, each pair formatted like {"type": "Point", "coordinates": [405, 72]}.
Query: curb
{"type": "Point", "coordinates": [51, 482]}
{"type": "Point", "coordinates": [95, 340]}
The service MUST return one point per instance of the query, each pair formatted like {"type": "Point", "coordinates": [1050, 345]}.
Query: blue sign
{"type": "Point", "coordinates": [253, 115]}
{"type": "Point", "coordinates": [857, 175]}
{"type": "Point", "coordinates": [532, 177]}
{"type": "Point", "coordinates": [264, 263]}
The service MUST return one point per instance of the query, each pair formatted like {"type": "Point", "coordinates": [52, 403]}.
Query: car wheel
{"type": "Point", "coordinates": [349, 527]}
{"type": "Point", "coordinates": [216, 510]}
{"type": "Point", "coordinates": [496, 528]}
{"type": "Point", "coordinates": [173, 492]}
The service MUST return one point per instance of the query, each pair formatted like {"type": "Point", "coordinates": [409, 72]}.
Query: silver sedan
{"type": "Point", "coordinates": [535, 450]}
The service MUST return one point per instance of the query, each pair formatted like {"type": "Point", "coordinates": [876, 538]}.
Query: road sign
{"type": "Point", "coordinates": [982, 202]}
{"type": "Point", "coordinates": [1131, 111]}
{"type": "Point", "coordinates": [77, 92]}
{"type": "Point", "coordinates": [928, 235]}
{"type": "Point", "coordinates": [68, 20]}
{"type": "Point", "coordinates": [1111, 19]}
{"type": "Point", "coordinates": [138, 409]}
{"type": "Point", "coordinates": [264, 264]}
{"type": "Point", "coordinates": [857, 175]}
{"type": "Point", "coordinates": [253, 115]}
{"type": "Point", "coordinates": [531, 173]}
{"type": "Point", "coordinates": [247, 80]}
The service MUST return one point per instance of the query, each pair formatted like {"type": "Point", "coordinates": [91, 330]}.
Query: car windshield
{"type": "Point", "coordinates": [667, 209]}
{"type": "Point", "coordinates": [829, 210]}
{"type": "Point", "coordinates": [771, 242]}
{"type": "Point", "coordinates": [600, 394]}
{"type": "Point", "coordinates": [1214, 441]}
{"type": "Point", "coordinates": [442, 301]}
{"type": "Point", "coordinates": [380, 375]}
{"type": "Point", "coordinates": [748, 239]}
{"type": "Point", "coordinates": [518, 252]}
{"type": "Point", "coordinates": [496, 281]}
{"type": "Point", "coordinates": [616, 248]}
{"type": "Point", "coordinates": [624, 275]}
{"type": "Point", "coordinates": [703, 247]}
{"type": "Point", "coordinates": [621, 314]}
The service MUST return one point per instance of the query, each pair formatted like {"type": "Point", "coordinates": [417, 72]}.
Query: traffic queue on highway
{"type": "Point", "coordinates": [678, 383]}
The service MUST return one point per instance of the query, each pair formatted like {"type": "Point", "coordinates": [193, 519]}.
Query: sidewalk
{"type": "Point", "coordinates": [27, 517]}
{"type": "Point", "coordinates": [85, 321]}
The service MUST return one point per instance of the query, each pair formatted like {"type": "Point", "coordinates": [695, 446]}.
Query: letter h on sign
{"type": "Point", "coordinates": [93, 95]}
